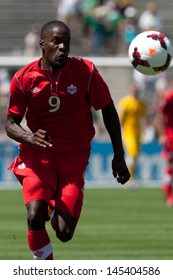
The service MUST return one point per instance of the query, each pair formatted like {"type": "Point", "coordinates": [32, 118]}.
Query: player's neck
{"type": "Point", "coordinates": [45, 65]}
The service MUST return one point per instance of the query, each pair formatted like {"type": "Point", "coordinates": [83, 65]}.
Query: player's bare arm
{"type": "Point", "coordinates": [16, 132]}
{"type": "Point", "coordinates": [112, 124]}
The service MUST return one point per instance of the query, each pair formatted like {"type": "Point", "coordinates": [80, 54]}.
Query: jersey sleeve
{"type": "Point", "coordinates": [17, 99]}
{"type": "Point", "coordinates": [99, 93]}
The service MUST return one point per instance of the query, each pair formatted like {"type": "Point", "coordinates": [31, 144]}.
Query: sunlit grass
{"type": "Point", "coordinates": [115, 224]}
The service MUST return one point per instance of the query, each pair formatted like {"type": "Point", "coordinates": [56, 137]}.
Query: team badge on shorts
{"type": "Point", "coordinates": [22, 165]}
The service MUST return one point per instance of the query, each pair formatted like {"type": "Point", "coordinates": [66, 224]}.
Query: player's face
{"type": "Point", "coordinates": [55, 47]}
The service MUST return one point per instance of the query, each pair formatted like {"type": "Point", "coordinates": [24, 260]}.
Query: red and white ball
{"type": "Point", "coordinates": [150, 52]}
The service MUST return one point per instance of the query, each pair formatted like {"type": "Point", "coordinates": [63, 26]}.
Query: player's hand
{"type": "Point", "coordinates": [120, 170]}
{"type": "Point", "coordinates": [41, 138]}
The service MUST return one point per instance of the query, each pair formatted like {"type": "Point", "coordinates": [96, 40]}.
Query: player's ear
{"type": "Point", "coordinates": [41, 43]}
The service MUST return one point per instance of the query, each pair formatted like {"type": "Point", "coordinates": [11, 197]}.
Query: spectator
{"type": "Point", "coordinates": [103, 22]}
{"type": "Point", "coordinates": [70, 12]}
{"type": "Point", "coordinates": [130, 29]}
{"type": "Point", "coordinates": [31, 41]}
{"type": "Point", "coordinates": [122, 5]}
{"type": "Point", "coordinates": [150, 18]}
{"type": "Point", "coordinates": [99, 30]}
{"type": "Point", "coordinates": [87, 11]}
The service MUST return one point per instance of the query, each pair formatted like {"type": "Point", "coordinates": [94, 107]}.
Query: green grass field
{"type": "Point", "coordinates": [116, 224]}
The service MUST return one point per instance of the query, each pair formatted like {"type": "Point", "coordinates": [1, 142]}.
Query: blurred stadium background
{"type": "Point", "coordinates": [124, 224]}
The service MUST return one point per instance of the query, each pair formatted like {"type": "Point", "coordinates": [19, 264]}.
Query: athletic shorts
{"type": "Point", "coordinates": [61, 179]}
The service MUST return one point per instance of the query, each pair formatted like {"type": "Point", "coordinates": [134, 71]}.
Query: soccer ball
{"type": "Point", "coordinates": [150, 52]}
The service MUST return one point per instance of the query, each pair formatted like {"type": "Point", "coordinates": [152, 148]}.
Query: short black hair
{"type": "Point", "coordinates": [47, 27]}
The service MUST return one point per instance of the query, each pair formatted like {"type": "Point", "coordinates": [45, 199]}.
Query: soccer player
{"type": "Point", "coordinates": [132, 111]}
{"type": "Point", "coordinates": [55, 94]}
{"type": "Point", "coordinates": [164, 128]}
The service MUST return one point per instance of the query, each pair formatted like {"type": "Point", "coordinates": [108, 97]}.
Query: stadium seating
{"type": "Point", "coordinates": [16, 19]}
{"type": "Point", "coordinates": [17, 16]}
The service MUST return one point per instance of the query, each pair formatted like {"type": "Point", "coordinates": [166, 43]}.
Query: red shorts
{"type": "Point", "coordinates": [61, 179]}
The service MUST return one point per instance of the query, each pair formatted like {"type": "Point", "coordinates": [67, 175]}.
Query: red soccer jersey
{"type": "Point", "coordinates": [60, 103]}
{"type": "Point", "coordinates": [167, 107]}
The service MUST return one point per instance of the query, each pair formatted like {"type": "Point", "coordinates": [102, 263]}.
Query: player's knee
{"type": "Point", "coordinates": [64, 235]}
{"type": "Point", "coordinates": [64, 226]}
{"type": "Point", "coordinates": [36, 218]}
{"type": "Point", "coordinates": [35, 221]}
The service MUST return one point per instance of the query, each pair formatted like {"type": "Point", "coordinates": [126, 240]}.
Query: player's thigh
{"type": "Point", "coordinates": [34, 189]}
{"type": "Point", "coordinates": [70, 192]}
